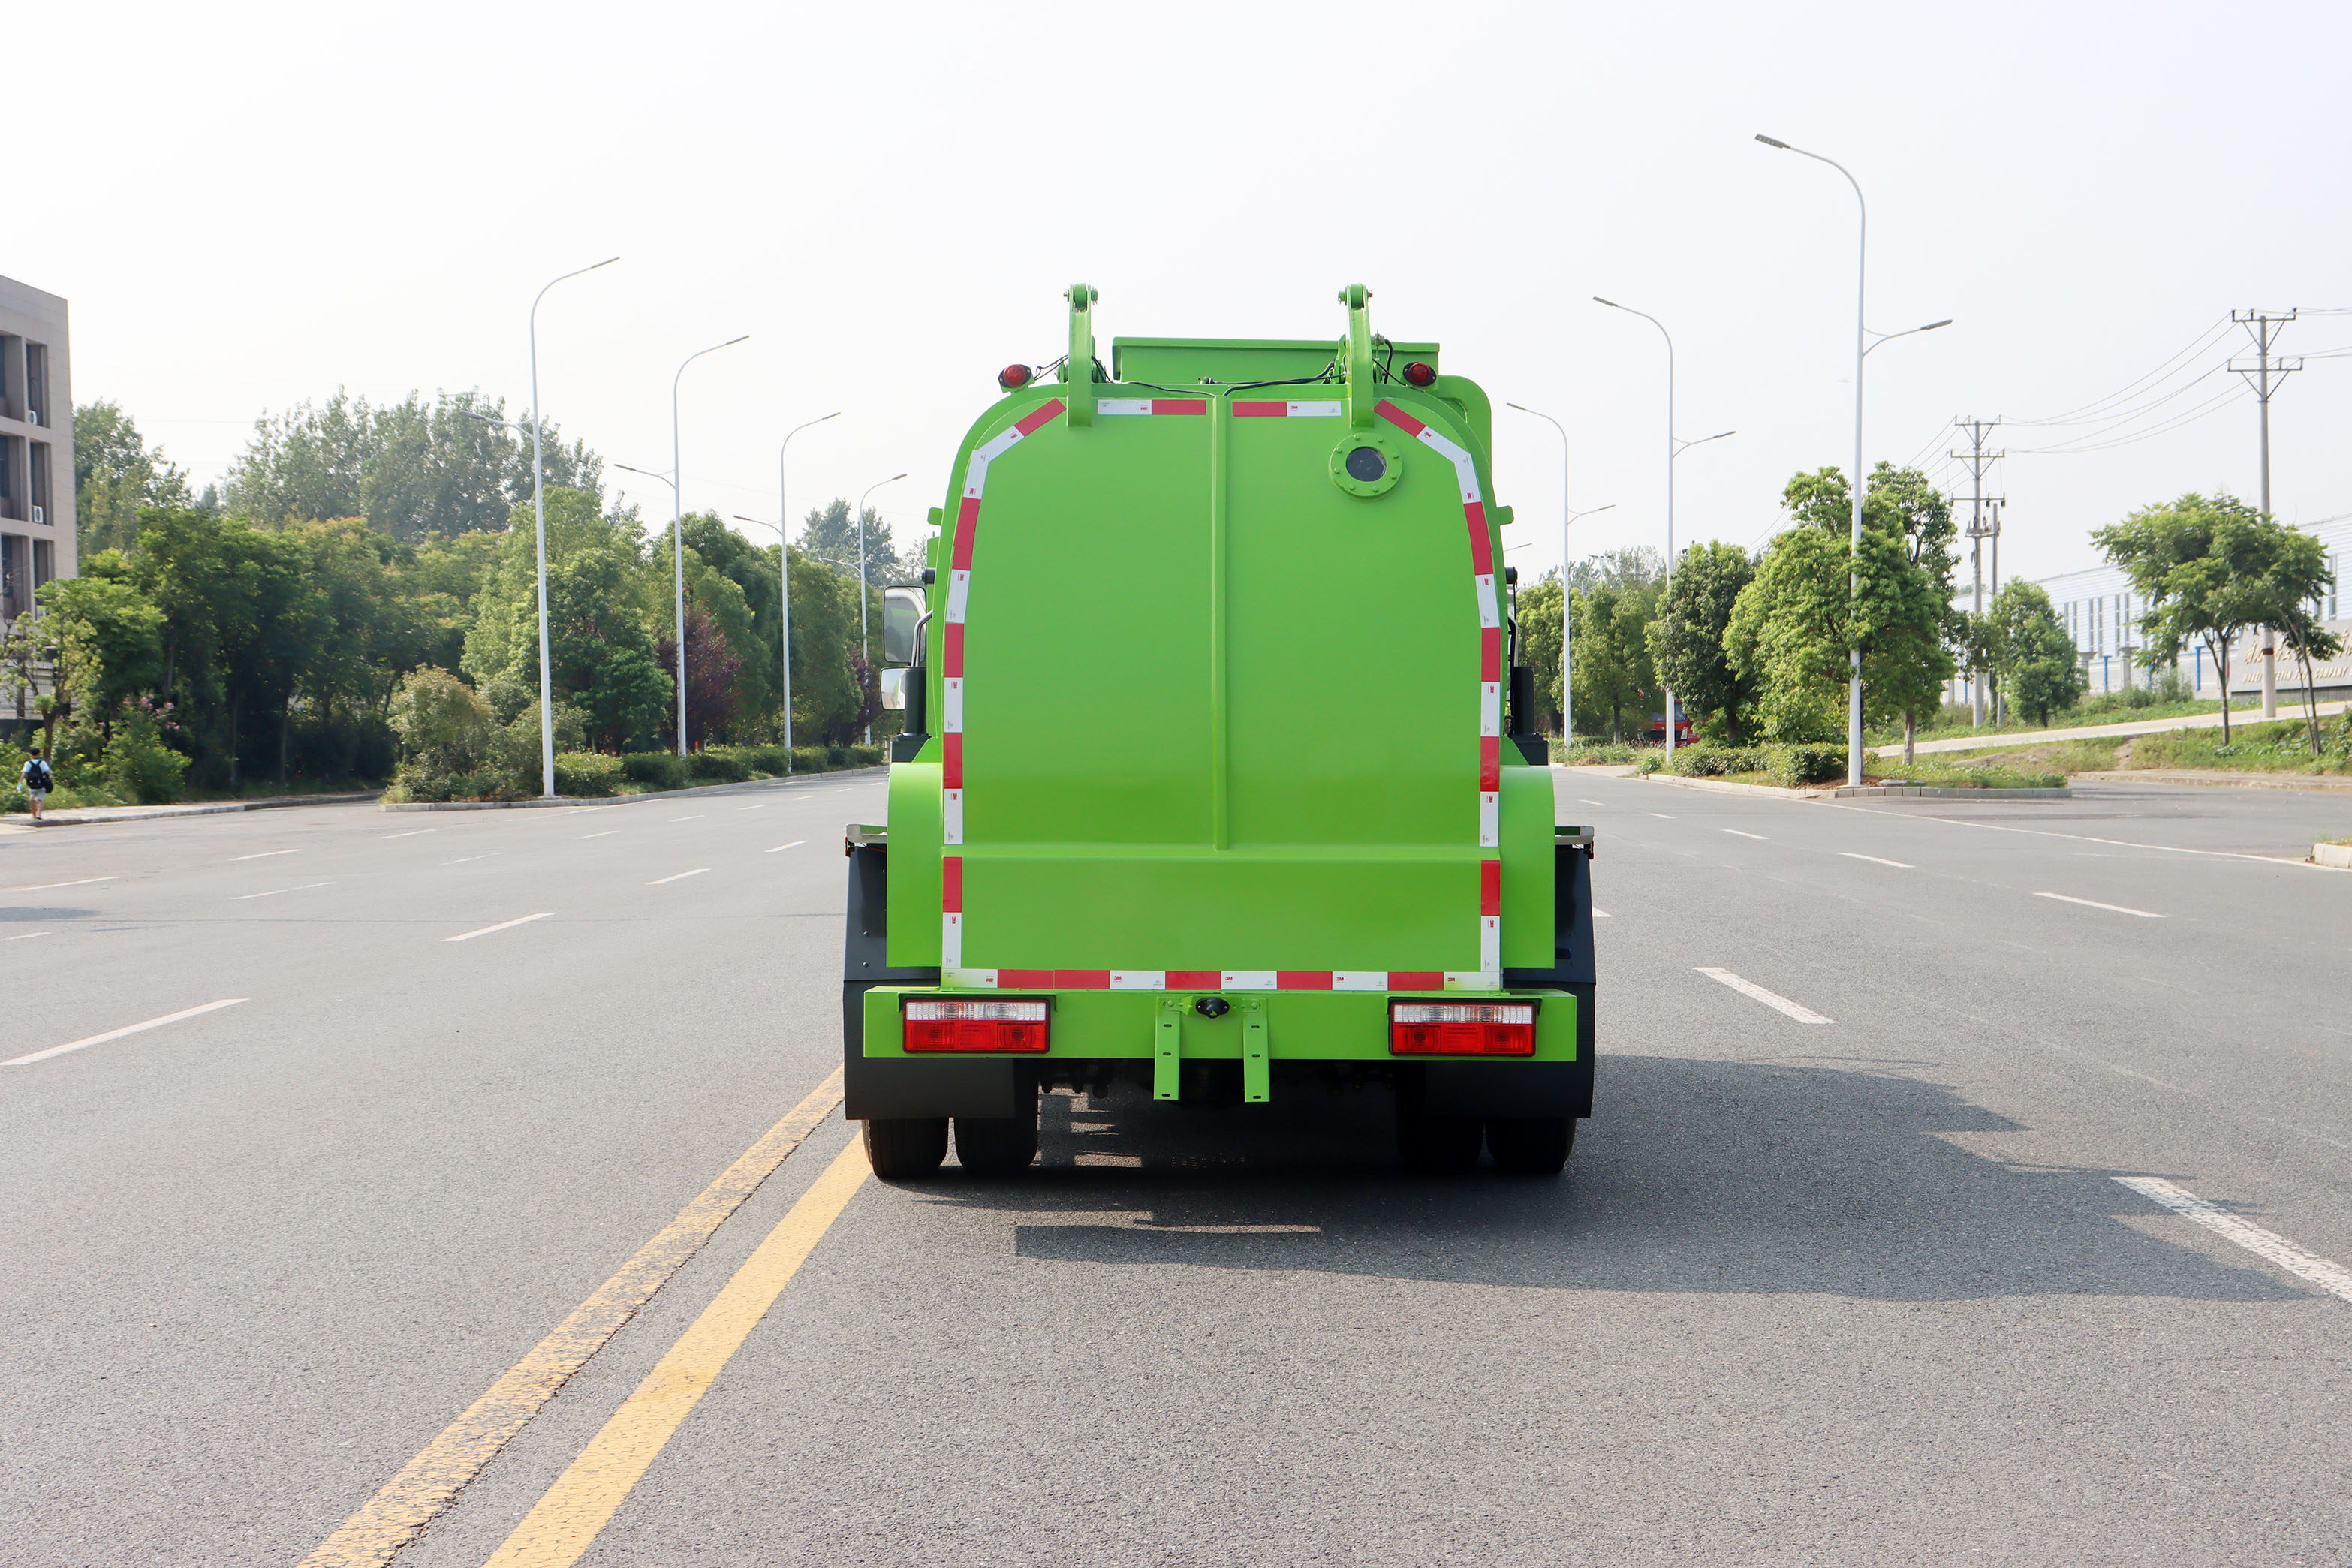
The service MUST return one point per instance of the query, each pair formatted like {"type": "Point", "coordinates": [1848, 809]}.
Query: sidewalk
{"type": "Point", "coordinates": [2089, 731]}
{"type": "Point", "coordinates": [82, 816]}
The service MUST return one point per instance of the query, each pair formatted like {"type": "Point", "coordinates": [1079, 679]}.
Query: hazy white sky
{"type": "Point", "coordinates": [247, 205]}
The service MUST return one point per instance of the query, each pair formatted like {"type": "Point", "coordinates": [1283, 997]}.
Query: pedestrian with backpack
{"type": "Point", "coordinates": [38, 781]}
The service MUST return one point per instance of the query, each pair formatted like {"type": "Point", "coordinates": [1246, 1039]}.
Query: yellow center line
{"type": "Point", "coordinates": [566, 1520]}
{"type": "Point", "coordinates": [429, 1482]}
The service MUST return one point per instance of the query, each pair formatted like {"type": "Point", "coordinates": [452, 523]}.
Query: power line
{"type": "Point", "coordinates": [2076, 446]}
{"type": "Point", "coordinates": [2087, 412]}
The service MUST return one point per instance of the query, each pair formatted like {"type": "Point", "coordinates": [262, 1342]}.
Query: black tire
{"type": "Point", "coordinates": [907, 1149]}
{"type": "Point", "coordinates": [1532, 1145]}
{"type": "Point", "coordinates": [1439, 1145]}
{"type": "Point", "coordinates": [997, 1146]}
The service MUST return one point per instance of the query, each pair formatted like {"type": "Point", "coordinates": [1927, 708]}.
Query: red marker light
{"type": "Point", "coordinates": [975, 1025]}
{"type": "Point", "coordinates": [1420, 373]}
{"type": "Point", "coordinates": [1461, 1029]}
{"type": "Point", "coordinates": [1012, 376]}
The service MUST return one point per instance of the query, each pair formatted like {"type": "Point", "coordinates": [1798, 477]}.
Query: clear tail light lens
{"type": "Point", "coordinates": [976, 1025]}
{"type": "Point", "coordinates": [1461, 1029]}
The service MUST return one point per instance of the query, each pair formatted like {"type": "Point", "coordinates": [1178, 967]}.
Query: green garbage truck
{"type": "Point", "coordinates": [1220, 775]}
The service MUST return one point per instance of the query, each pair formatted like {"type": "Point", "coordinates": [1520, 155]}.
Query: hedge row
{"type": "Point", "coordinates": [1787, 766]}
{"type": "Point", "coordinates": [593, 773]}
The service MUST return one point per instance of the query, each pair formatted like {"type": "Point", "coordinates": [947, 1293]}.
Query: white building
{"type": "Point", "coordinates": [2098, 607]}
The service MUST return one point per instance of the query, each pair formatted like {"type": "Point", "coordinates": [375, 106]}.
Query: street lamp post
{"type": "Point", "coordinates": [538, 502]}
{"type": "Point", "coordinates": [677, 525]}
{"type": "Point", "coordinates": [863, 647]}
{"type": "Point", "coordinates": [1675, 447]}
{"type": "Point", "coordinates": [785, 563]}
{"type": "Point", "coordinates": [1567, 730]}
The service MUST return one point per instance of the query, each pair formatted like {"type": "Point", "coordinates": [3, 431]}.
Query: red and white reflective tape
{"type": "Point", "coordinates": [1119, 405]}
{"type": "Point", "coordinates": [951, 677]}
{"type": "Point", "coordinates": [1489, 973]}
{"type": "Point", "coordinates": [1490, 681]}
{"type": "Point", "coordinates": [1250, 408]}
{"type": "Point", "coordinates": [1207, 979]}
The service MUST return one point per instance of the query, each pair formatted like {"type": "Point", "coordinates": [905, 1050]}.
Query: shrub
{"type": "Point", "coordinates": [418, 783]}
{"type": "Point", "coordinates": [1794, 765]}
{"type": "Point", "coordinates": [444, 727]}
{"type": "Point", "coordinates": [717, 765]}
{"type": "Point", "coordinates": [655, 770]}
{"type": "Point", "coordinates": [140, 765]}
{"type": "Point", "coordinates": [584, 773]}
{"type": "Point", "coordinates": [1711, 761]}
{"type": "Point", "coordinates": [1591, 753]}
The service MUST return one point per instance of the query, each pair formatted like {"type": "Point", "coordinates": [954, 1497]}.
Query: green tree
{"type": "Point", "coordinates": [1687, 640]}
{"type": "Point", "coordinates": [108, 640]}
{"type": "Point", "coordinates": [2201, 565]}
{"type": "Point", "coordinates": [1611, 678]}
{"type": "Point", "coordinates": [2290, 589]}
{"type": "Point", "coordinates": [1793, 625]}
{"type": "Point", "coordinates": [2026, 646]}
{"type": "Point", "coordinates": [413, 469]}
{"type": "Point", "coordinates": [1538, 615]}
{"type": "Point", "coordinates": [830, 534]}
{"type": "Point", "coordinates": [116, 476]}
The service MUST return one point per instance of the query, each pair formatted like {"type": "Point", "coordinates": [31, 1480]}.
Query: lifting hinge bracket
{"type": "Point", "coordinates": [1257, 1086]}
{"type": "Point", "coordinates": [1362, 396]}
{"type": "Point", "coordinates": [1168, 1050]}
{"type": "Point", "coordinates": [1078, 370]}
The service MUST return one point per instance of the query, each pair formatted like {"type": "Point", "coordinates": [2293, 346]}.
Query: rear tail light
{"type": "Point", "coordinates": [1461, 1029]}
{"type": "Point", "coordinates": [1013, 377]}
{"type": "Point", "coordinates": [1420, 373]}
{"type": "Point", "coordinates": [975, 1026]}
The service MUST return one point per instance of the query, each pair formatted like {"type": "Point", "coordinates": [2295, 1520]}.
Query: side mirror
{"type": "Point", "coordinates": [902, 611]}
{"type": "Point", "coordinates": [893, 689]}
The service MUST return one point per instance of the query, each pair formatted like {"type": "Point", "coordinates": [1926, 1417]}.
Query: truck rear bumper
{"type": "Point", "coordinates": [1160, 1038]}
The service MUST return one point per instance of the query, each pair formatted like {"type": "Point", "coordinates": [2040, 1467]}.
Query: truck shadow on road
{"type": "Point", "coordinates": [1695, 1175]}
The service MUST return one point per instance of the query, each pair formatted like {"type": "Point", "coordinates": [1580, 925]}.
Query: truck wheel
{"type": "Point", "coordinates": [997, 1146]}
{"type": "Point", "coordinates": [1438, 1146]}
{"type": "Point", "coordinates": [907, 1149]}
{"type": "Point", "coordinates": [1532, 1145]}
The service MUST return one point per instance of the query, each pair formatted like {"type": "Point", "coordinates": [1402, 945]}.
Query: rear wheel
{"type": "Point", "coordinates": [997, 1146]}
{"type": "Point", "coordinates": [1438, 1146]}
{"type": "Point", "coordinates": [907, 1149]}
{"type": "Point", "coordinates": [1532, 1145]}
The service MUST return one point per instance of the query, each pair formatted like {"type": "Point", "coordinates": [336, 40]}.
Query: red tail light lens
{"type": "Point", "coordinates": [1012, 376]}
{"type": "Point", "coordinates": [1461, 1029]}
{"type": "Point", "coordinates": [975, 1026]}
{"type": "Point", "coordinates": [1420, 373]}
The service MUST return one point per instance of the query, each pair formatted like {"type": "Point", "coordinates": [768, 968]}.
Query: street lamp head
{"type": "Point", "coordinates": [648, 472]}
{"type": "Point", "coordinates": [1721, 434]}
{"type": "Point", "coordinates": [606, 262]}
{"type": "Point", "coordinates": [1933, 325]}
{"type": "Point", "coordinates": [1772, 142]}
{"type": "Point", "coordinates": [1611, 303]}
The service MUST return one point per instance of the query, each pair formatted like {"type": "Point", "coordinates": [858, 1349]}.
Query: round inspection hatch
{"type": "Point", "coordinates": [1367, 463]}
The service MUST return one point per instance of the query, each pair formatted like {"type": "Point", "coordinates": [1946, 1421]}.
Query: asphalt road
{"type": "Point", "coordinates": [1863, 1291]}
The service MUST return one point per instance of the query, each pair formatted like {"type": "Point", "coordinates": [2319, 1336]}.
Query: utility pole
{"type": "Point", "coordinates": [1993, 529]}
{"type": "Point", "coordinates": [1978, 461]}
{"type": "Point", "coordinates": [2263, 375]}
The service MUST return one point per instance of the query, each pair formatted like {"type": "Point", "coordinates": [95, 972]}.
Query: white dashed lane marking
{"type": "Point", "coordinates": [681, 876]}
{"type": "Point", "coordinates": [45, 886]}
{"type": "Point", "coordinates": [2094, 904]}
{"type": "Point", "coordinates": [501, 926]}
{"type": "Point", "coordinates": [117, 1034]}
{"type": "Point", "coordinates": [780, 847]}
{"type": "Point", "coordinates": [241, 897]}
{"type": "Point", "coordinates": [1898, 865]}
{"type": "Point", "coordinates": [1737, 833]}
{"type": "Point", "coordinates": [1772, 999]}
{"type": "Point", "coordinates": [2330, 1276]}
{"type": "Point", "coordinates": [263, 855]}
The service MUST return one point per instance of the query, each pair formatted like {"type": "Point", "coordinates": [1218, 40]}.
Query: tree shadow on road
{"type": "Point", "coordinates": [1697, 1176]}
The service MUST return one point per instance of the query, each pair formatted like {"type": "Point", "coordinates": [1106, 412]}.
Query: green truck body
{"type": "Point", "coordinates": [1207, 751]}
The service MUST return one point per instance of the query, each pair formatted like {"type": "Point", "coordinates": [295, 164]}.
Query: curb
{"type": "Point", "coordinates": [600, 801]}
{"type": "Point", "coordinates": [2305, 781]}
{"type": "Point", "coordinates": [1871, 791]}
{"type": "Point", "coordinates": [96, 816]}
{"type": "Point", "coordinates": [2338, 855]}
